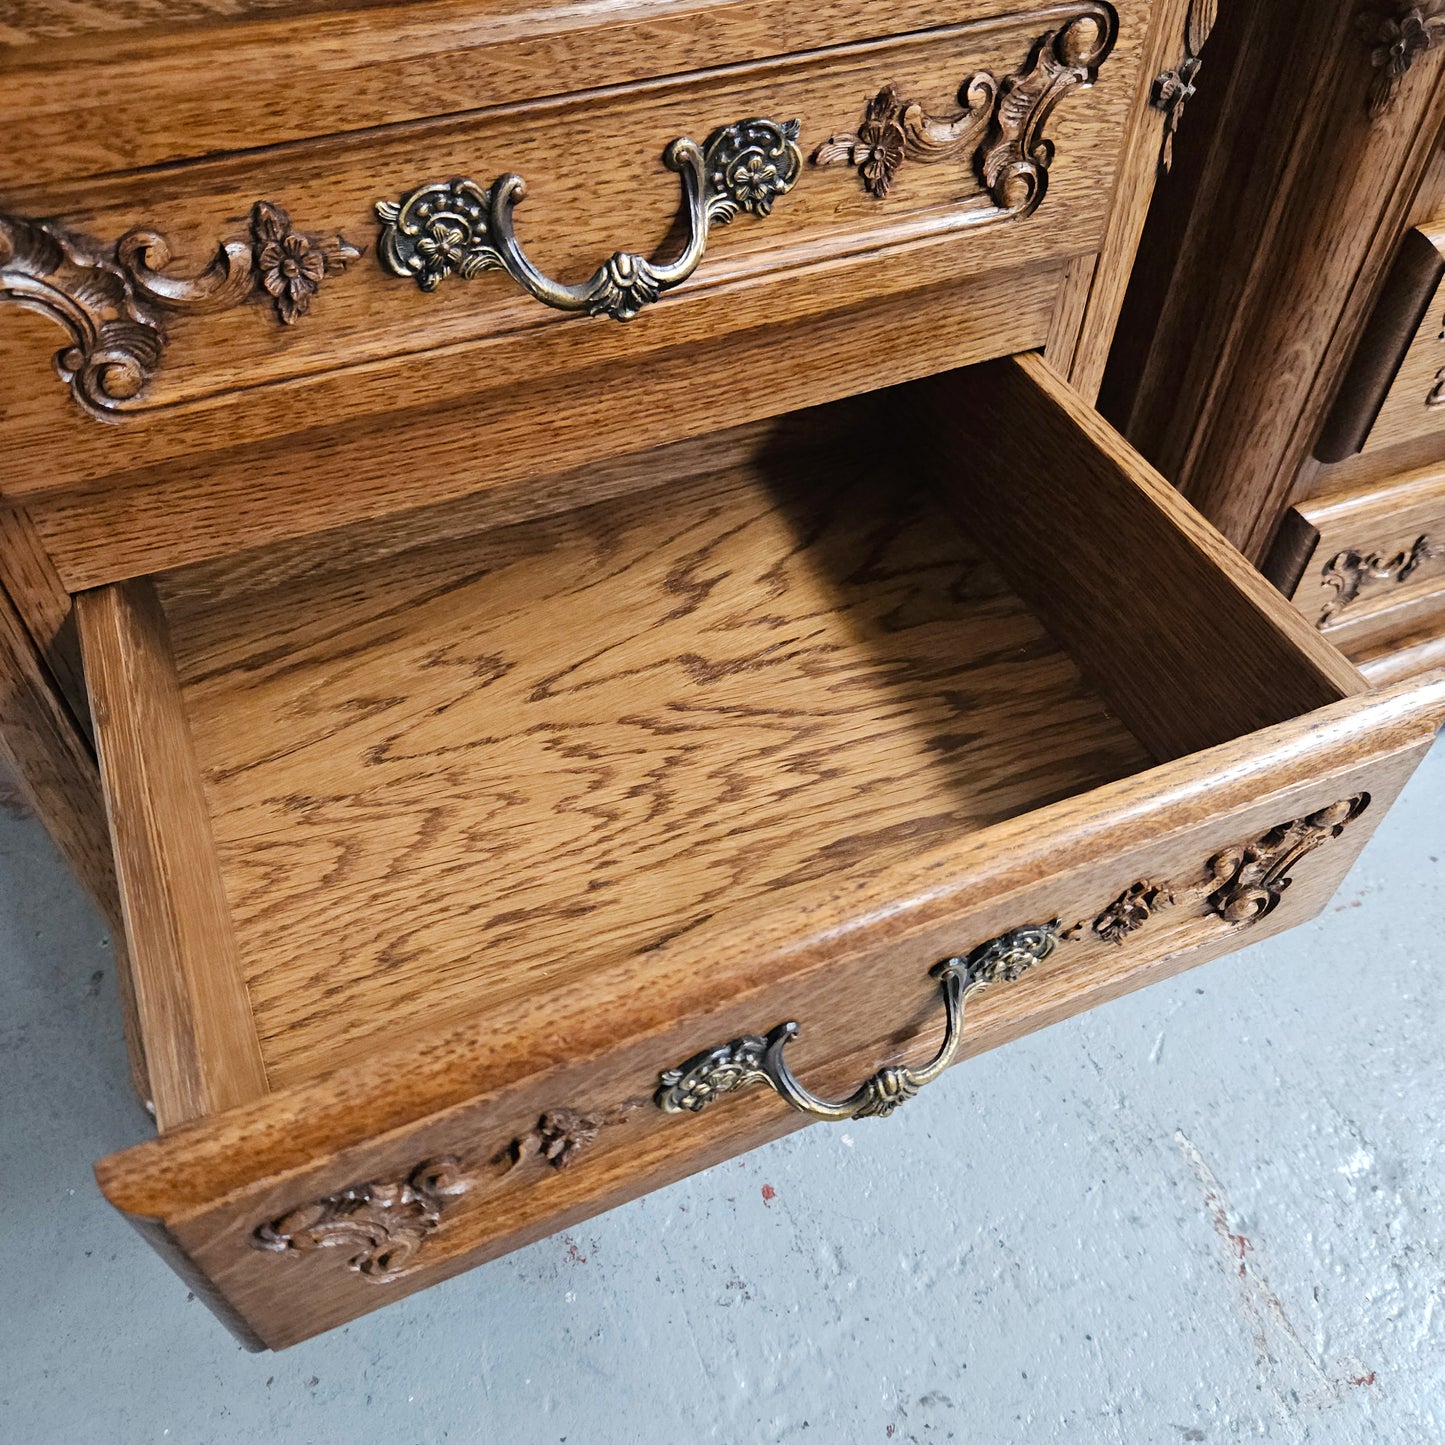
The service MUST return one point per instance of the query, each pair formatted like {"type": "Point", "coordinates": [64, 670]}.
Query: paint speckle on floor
{"type": "Point", "coordinates": [1211, 1212]}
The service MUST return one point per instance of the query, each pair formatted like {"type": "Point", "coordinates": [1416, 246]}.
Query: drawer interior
{"type": "Point", "coordinates": [360, 791]}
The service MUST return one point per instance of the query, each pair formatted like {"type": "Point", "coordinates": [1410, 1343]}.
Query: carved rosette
{"type": "Point", "coordinates": [1347, 573]}
{"type": "Point", "coordinates": [1252, 878]}
{"type": "Point", "coordinates": [1000, 129]}
{"type": "Point", "coordinates": [114, 305]}
{"type": "Point", "coordinates": [1397, 40]}
{"type": "Point", "coordinates": [1174, 89]}
{"type": "Point", "coordinates": [384, 1223]}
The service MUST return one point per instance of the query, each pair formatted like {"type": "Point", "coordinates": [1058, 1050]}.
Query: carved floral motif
{"type": "Point", "coordinates": [1251, 878]}
{"type": "Point", "coordinates": [1398, 40]}
{"type": "Point", "coordinates": [1131, 910]}
{"type": "Point", "coordinates": [385, 1222]}
{"type": "Point", "coordinates": [115, 305]}
{"type": "Point", "coordinates": [1174, 89]}
{"type": "Point", "coordinates": [1347, 573]}
{"type": "Point", "coordinates": [1001, 125]}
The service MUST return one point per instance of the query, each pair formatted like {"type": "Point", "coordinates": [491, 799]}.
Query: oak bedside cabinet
{"type": "Point", "coordinates": [563, 586]}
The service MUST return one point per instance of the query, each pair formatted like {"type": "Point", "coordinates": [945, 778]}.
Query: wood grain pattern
{"type": "Point", "coordinates": [1385, 396]}
{"type": "Point", "coordinates": [498, 762]}
{"type": "Point", "coordinates": [1133, 193]}
{"type": "Point", "coordinates": [596, 181]}
{"type": "Point", "coordinates": [201, 1047]}
{"type": "Point", "coordinates": [845, 964]}
{"type": "Point", "coordinates": [1119, 567]}
{"type": "Point", "coordinates": [1343, 556]}
{"type": "Point", "coordinates": [29, 578]}
{"type": "Point", "coordinates": [1287, 239]}
{"type": "Point", "coordinates": [251, 495]}
{"type": "Point", "coordinates": [113, 100]}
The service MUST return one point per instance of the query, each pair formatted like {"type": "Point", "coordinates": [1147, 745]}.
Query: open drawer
{"type": "Point", "coordinates": [476, 886]}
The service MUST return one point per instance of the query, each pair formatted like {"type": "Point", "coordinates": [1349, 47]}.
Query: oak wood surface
{"type": "Point", "coordinates": [1288, 237]}
{"type": "Point", "coordinates": [1188, 643]}
{"type": "Point", "coordinates": [201, 1046]}
{"type": "Point", "coordinates": [1391, 538]}
{"type": "Point", "coordinates": [467, 774]}
{"type": "Point", "coordinates": [118, 101]}
{"type": "Point", "coordinates": [473, 1091]}
{"type": "Point", "coordinates": [252, 495]}
{"type": "Point", "coordinates": [1385, 396]}
{"type": "Point", "coordinates": [596, 181]}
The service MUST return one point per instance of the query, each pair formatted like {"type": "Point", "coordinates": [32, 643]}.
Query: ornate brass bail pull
{"type": "Point", "coordinates": [457, 227]}
{"type": "Point", "coordinates": [757, 1060]}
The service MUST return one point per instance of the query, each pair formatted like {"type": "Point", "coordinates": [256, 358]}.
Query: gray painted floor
{"type": "Point", "coordinates": [1211, 1212]}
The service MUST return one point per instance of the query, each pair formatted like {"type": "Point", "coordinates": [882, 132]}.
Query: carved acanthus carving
{"type": "Point", "coordinates": [385, 1222]}
{"type": "Point", "coordinates": [1347, 573]}
{"type": "Point", "coordinates": [114, 305]}
{"type": "Point", "coordinates": [1397, 41]}
{"type": "Point", "coordinates": [559, 1137]}
{"type": "Point", "coordinates": [1000, 129]}
{"type": "Point", "coordinates": [1174, 89]}
{"type": "Point", "coordinates": [1251, 878]}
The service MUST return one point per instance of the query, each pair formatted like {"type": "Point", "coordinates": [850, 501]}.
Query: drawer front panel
{"type": "Point", "coordinates": [918, 160]}
{"type": "Point", "coordinates": [1347, 559]}
{"type": "Point", "coordinates": [1395, 390]}
{"type": "Point", "coordinates": [438, 1157]}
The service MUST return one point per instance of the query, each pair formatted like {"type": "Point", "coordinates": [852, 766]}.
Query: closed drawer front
{"type": "Point", "coordinates": [476, 884]}
{"type": "Point", "coordinates": [226, 301]}
{"type": "Point", "coordinates": [1395, 390]}
{"type": "Point", "coordinates": [1368, 569]}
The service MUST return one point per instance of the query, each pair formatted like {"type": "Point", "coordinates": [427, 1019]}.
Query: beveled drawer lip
{"type": "Point", "coordinates": [470, 1093]}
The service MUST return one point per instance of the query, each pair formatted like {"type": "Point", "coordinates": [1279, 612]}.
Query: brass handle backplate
{"type": "Point", "coordinates": [457, 227]}
{"type": "Point", "coordinates": [754, 1059]}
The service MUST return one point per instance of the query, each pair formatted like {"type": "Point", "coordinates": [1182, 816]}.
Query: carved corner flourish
{"type": "Point", "coordinates": [1000, 128]}
{"type": "Point", "coordinates": [384, 1222]}
{"type": "Point", "coordinates": [1348, 573]}
{"type": "Point", "coordinates": [114, 303]}
{"type": "Point", "coordinates": [1397, 39]}
{"type": "Point", "coordinates": [1251, 878]}
{"type": "Point", "coordinates": [1174, 89]}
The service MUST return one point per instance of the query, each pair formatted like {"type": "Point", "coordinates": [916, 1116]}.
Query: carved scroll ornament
{"type": "Point", "coordinates": [1174, 89]}
{"type": "Point", "coordinates": [1348, 573]}
{"type": "Point", "coordinates": [384, 1223]}
{"type": "Point", "coordinates": [1240, 884]}
{"type": "Point", "coordinates": [1397, 41]}
{"type": "Point", "coordinates": [114, 303]}
{"type": "Point", "coordinates": [1000, 130]}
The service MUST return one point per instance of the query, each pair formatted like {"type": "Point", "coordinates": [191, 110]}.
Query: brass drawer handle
{"type": "Point", "coordinates": [756, 1060]}
{"type": "Point", "coordinates": [457, 227]}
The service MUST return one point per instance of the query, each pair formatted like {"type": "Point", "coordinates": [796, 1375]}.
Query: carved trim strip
{"type": "Point", "coordinates": [1348, 573]}
{"type": "Point", "coordinates": [1174, 89]}
{"type": "Point", "coordinates": [1000, 129]}
{"type": "Point", "coordinates": [386, 1222]}
{"type": "Point", "coordinates": [1397, 41]}
{"type": "Point", "coordinates": [114, 305]}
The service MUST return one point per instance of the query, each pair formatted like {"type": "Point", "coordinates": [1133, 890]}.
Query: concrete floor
{"type": "Point", "coordinates": [1211, 1212]}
